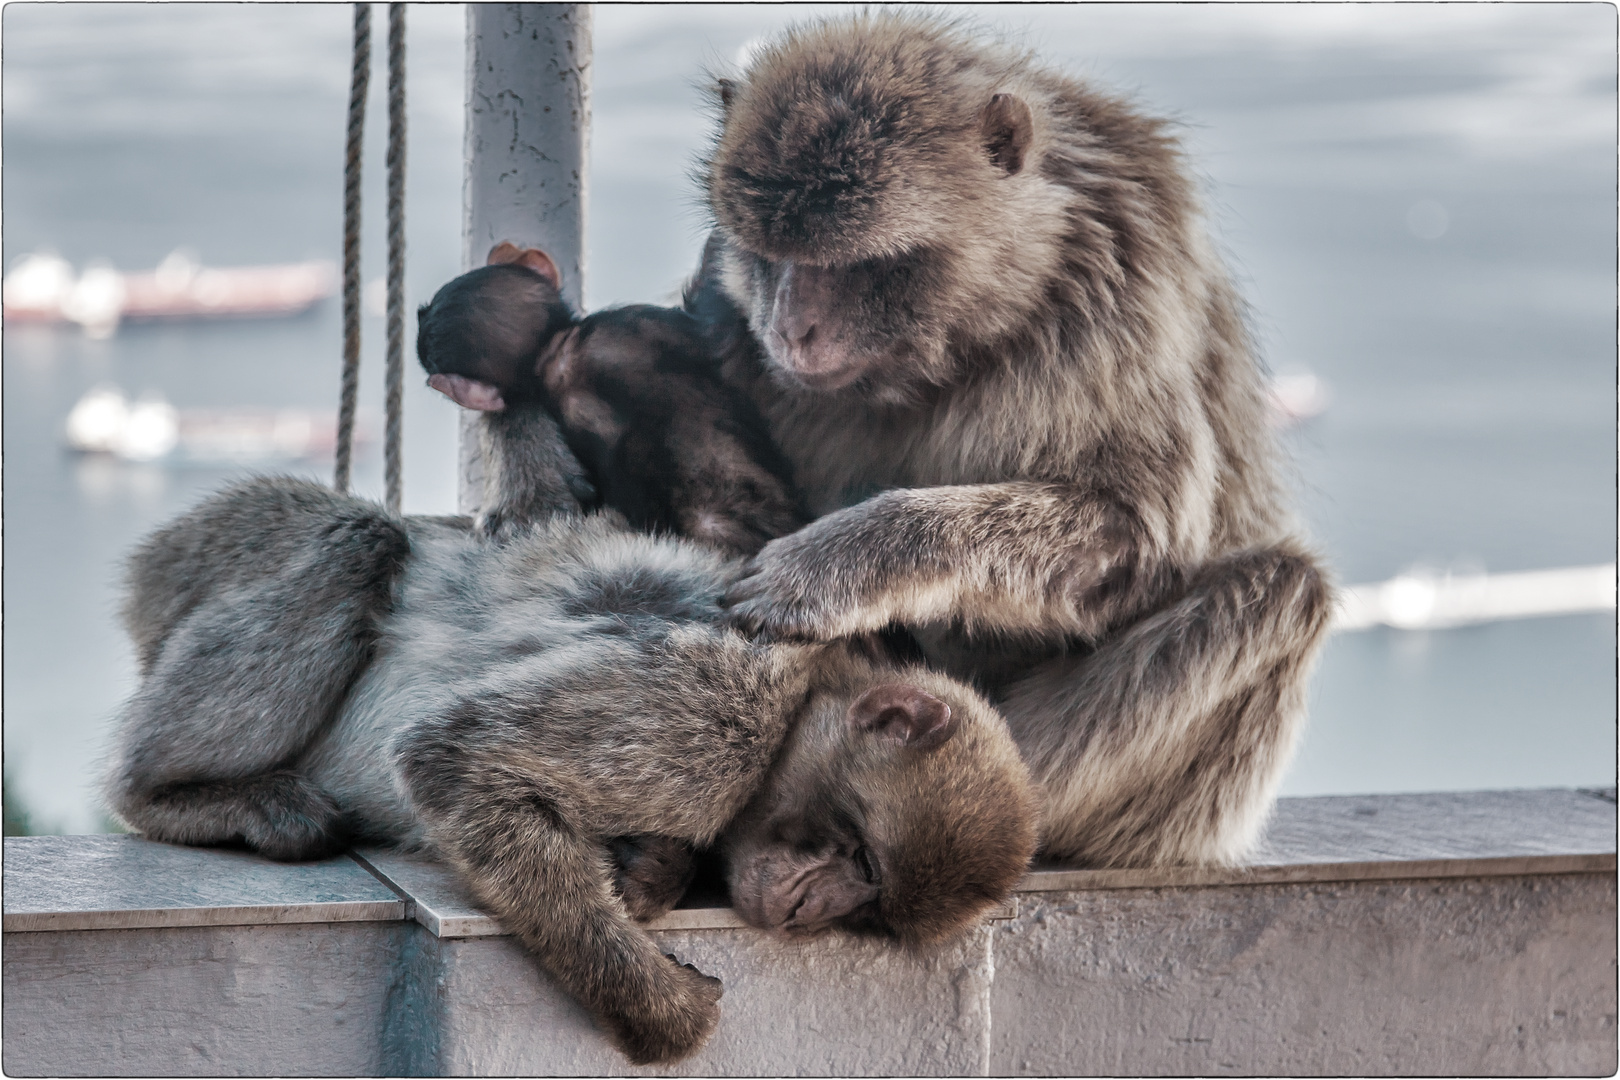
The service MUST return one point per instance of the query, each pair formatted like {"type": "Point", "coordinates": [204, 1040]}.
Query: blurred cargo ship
{"type": "Point", "coordinates": [104, 421]}
{"type": "Point", "coordinates": [43, 288]}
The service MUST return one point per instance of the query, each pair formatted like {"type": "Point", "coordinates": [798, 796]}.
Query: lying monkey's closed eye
{"type": "Point", "coordinates": [866, 865]}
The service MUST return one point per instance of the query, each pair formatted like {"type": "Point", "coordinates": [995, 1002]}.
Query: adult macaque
{"type": "Point", "coordinates": [1014, 383]}
{"type": "Point", "coordinates": [636, 390]}
{"type": "Point", "coordinates": [316, 672]}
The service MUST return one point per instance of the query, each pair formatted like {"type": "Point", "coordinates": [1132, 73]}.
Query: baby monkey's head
{"type": "Point", "coordinates": [483, 336]}
{"type": "Point", "coordinates": [635, 390]}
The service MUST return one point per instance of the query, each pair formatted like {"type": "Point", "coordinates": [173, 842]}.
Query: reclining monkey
{"type": "Point", "coordinates": [316, 672]}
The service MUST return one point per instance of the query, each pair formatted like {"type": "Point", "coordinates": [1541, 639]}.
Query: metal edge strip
{"type": "Point", "coordinates": [725, 918]}
{"type": "Point", "coordinates": [15, 922]}
{"type": "Point", "coordinates": [1058, 880]}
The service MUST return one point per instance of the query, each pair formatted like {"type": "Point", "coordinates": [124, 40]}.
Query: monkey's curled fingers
{"type": "Point", "coordinates": [714, 983]}
{"type": "Point", "coordinates": [796, 589]}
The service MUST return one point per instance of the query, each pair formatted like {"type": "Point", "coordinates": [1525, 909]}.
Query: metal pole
{"type": "Point", "coordinates": [527, 143]}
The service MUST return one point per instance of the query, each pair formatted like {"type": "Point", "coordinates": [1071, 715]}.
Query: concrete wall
{"type": "Point", "coordinates": [1483, 976]}
{"type": "Point", "coordinates": [1454, 934]}
{"type": "Point", "coordinates": [300, 1000]}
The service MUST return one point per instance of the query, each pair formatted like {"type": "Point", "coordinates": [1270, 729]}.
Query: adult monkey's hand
{"type": "Point", "coordinates": [1013, 556]}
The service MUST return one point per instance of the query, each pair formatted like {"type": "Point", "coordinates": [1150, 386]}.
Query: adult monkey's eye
{"type": "Point", "coordinates": [868, 868]}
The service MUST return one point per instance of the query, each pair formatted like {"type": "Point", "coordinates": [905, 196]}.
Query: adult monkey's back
{"type": "Point", "coordinates": [1013, 376]}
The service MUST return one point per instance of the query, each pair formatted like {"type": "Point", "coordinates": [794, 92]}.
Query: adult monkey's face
{"type": "Point", "coordinates": [873, 186]}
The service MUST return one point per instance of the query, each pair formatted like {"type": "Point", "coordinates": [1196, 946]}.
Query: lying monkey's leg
{"type": "Point", "coordinates": [1166, 744]}
{"type": "Point", "coordinates": [245, 534]}
{"type": "Point", "coordinates": [241, 686]}
{"type": "Point", "coordinates": [529, 472]}
{"type": "Point", "coordinates": [524, 856]}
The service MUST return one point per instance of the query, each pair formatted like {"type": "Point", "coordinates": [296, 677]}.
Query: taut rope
{"type": "Point", "coordinates": [396, 249]}
{"type": "Point", "coordinates": [394, 370]}
{"type": "Point", "coordinates": [359, 82]}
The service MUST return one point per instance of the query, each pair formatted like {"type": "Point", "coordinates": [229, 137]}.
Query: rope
{"type": "Point", "coordinates": [359, 82]}
{"type": "Point", "coordinates": [396, 252]}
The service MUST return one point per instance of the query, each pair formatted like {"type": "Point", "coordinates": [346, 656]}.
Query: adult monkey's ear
{"type": "Point", "coordinates": [903, 713]}
{"type": "Point", "coordinates": [1007, 127]}
{"type": "Point", "coordinates": [727, 89]}
{"type": "Point", "coordinates": [533, 258]}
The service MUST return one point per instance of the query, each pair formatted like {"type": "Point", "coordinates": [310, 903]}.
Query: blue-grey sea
{"type": "Point", "coordinates": [1418, 201]}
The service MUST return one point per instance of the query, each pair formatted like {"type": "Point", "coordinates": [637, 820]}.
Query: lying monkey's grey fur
{"type": "Point", "coordinates": [318, 671]}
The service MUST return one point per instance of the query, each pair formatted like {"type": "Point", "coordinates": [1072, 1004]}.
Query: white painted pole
{"type": "Point", "coordinates": [527, 143]}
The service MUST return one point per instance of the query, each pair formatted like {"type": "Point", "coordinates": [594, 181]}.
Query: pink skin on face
{"type": "Point", "coordinates": [468, 393]}
{"type": "Point", "coordinates": [801, 336]}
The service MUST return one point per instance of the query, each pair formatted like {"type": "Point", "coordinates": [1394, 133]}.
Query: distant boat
{"type": "Point", "coordinates": [104, 421]}
{"type": "Point", "coordinates": [43, 288]}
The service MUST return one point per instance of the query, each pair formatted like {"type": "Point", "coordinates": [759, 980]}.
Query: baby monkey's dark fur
{"type": "Point", "coordinates": [636, 390]}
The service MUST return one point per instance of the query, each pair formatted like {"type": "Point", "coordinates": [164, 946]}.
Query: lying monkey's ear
{"type": "Point", "coordinates": [905, 714]}
{"type": "Point", "coordinates": [1007, 126]}
{"type": "Point", "coordinates": [727, 90]}
{"type": "Point", "coordinates": [533, 258]}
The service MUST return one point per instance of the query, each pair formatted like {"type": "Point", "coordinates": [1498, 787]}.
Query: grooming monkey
{"type": "Point", "coordinates": [316, 672]}
{"type": "Point", "coordinates": [638, 395]}
{"type": "Point", "coordinates": [1014, 383]}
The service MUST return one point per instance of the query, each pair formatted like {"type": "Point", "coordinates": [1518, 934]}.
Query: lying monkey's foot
{"type": "Point", "coordinates": [280, 815]}
{"type": "Point", "coordinates": [651, 873]}
{"type": "Point", "coordinates": [297, 820]}
{"type": "Point", "coordinates": [678, 1023]}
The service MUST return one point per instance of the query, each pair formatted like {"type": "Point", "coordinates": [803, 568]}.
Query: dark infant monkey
{"type": "Point", "coordinates": [636, 390]}
{"type": "Point", "coordinates": [315, 671]}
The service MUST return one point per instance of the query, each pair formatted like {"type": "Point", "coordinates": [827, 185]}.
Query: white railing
{"type": "Point", "coordinates": [1422, 600]}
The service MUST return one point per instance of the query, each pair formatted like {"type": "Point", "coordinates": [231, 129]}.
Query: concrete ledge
{"type": "Point", "coordinates": [1448, 933]}
{"type": "Point", "coordinates": [123, 882]}
{"type": "Point", "coordinates": [1394, 837]}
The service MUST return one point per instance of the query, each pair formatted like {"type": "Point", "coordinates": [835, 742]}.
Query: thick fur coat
{"type": "Point", "coordinates": [991, 334]}
{"type": "Point", "coordinates": [317, 672]}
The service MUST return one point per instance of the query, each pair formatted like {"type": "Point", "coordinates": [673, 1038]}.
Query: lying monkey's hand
{"type": "Point", "coordinates": [677, 1023]}
{"type": "Point", "coordinates": [651, 873]}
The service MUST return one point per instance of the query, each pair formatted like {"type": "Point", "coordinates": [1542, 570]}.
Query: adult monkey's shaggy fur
{"type": "Point", "coordinates": [1014, 378]}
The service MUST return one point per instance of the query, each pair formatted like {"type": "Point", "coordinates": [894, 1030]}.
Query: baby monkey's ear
{"type": "Point", "coordinates": [533, 258]}
{"type": "Point", "coordinates": [905, 714]}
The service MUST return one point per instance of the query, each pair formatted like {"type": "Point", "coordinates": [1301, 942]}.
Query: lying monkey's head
{"type": "Point", "coordinates": [881, 188]}
{"type": "Point", "coordinates": [899, 808]}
